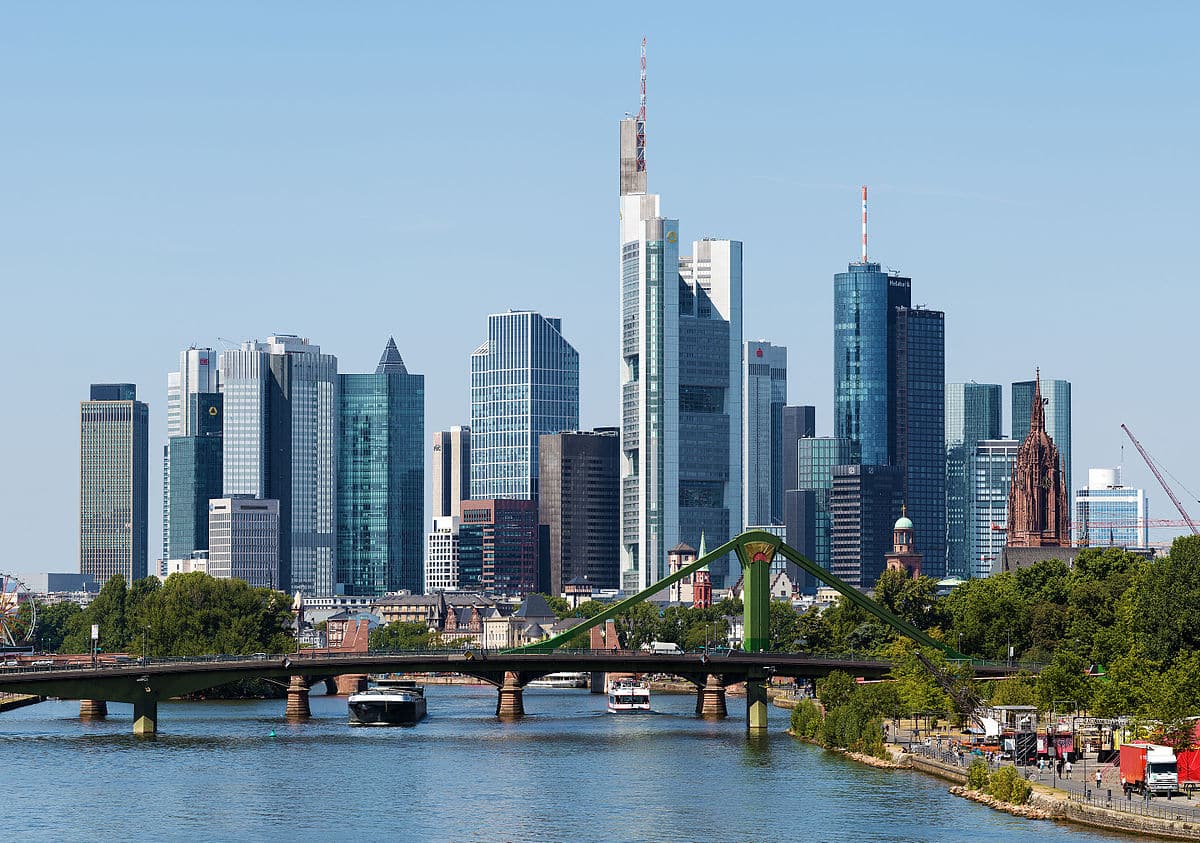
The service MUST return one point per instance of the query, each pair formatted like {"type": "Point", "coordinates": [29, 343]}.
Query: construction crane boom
{"type": "Point", "coordinates": [1154, 469]}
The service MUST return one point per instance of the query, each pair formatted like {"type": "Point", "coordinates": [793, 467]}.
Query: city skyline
{"type": "Point", "coordinates": [917, 201]}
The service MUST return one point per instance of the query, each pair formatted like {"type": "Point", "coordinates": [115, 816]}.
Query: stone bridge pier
{"type": "Point", "coordinates": [297, 710]}
{"type": "Point", "coordinates": [510, 702]}
{"type": "Point", "coordinates": [93, 709]}
{"type": "Point", "coordinates": [710, 699]}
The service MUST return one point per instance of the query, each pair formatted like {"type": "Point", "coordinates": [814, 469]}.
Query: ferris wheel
{"type": "Point", "coordinates": [18, 612]}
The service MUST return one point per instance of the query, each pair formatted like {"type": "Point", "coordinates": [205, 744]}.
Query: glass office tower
{"type": "Point", "coordinates": [114, 463]}
{"type": "Point", "coordinates": [280, 442]}
{"type": "Point", "coordinates": [764, 375]}
{"type": "Point", "coordinates": [524, 382]}
{"type": "Point", "coordinates": [991, 469]}
{"type": "Point", "coordinates": [381, 479]}
{"type": "Point", "coordinates": [919, 419]}
{"type": "Point", "coordinates": [865, 300]}
{"type": "Point", "coordinates": [972, 414]}
{"type": "Point", "coordinates": [196, 474]}
{"type": "Point", "coordinates": [1108, 514]}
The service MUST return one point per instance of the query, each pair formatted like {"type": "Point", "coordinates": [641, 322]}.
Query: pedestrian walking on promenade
{"type": "Point", "coordinates": [1098, 778]}
{"type": "Point", "coordinates": [1068, 768]}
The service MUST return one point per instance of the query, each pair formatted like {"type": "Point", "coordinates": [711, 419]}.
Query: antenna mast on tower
{"type": "Point", "coordinates": [864, 204]}
{"type": "Point", "coordinates": [641, 119]}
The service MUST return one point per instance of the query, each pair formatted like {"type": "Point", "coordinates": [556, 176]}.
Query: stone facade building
{"type": "Point", "coordinates": [1038, 515]}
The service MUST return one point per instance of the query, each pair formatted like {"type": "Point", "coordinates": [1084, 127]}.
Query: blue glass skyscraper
{"type": "Point", "coordinates": [865, 300]}
{"type": "Point", "coordinates": [524, 382]}
{"type": "Point", "coordinates": [381, 479]}
{"type": "Point", "coordinates": [195, 477]}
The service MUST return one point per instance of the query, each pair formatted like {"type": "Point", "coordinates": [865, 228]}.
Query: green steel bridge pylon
{"type": "Point", "coordinates": [754, 549]}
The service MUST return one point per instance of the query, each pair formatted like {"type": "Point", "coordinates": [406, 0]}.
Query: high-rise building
{"type": "Point", "coordinates": [865, 303]}
{"type": "Point", "coordinates": [198, 375]}
{"type": "Point", "coordinates": [524, 382]}
{"type": "Point", "coordinates": [1108, 514]}
{"type": "Point", "coordinates": [864, 502]}
{"type": "Point", "coordinates": [809, 517]}
{"type": "Point", "coordinates": [799, 422]}
{"type": "Point", "coordinates": [114, 462]}
{"type": "Point", "coordinates": [1056, 407]}
{"type": "Point", "coordinates": [1038, 513]}
{"type": "Point", "coordinates": [442, 555]}
{"type": "Point", "coordinates": [513, 546]}
{"type": "Point", "coordinates": [681, 382]}
{"type": "Point", "coordinates": [381, 479]}
{"type": "Point", "coordinates": [579, 501]}
{"type": "Point", "coordinates": [764, 377]}
{"type": "Point", "coordinates": [195, 461]}
{"type": "Point", "coordinates": [244, 535]}
{"type": "Point", "coordinates": [972, 415]}
{"type": "Point", "coordinates": [280, 442]}
{"type": "Point", "coordinates": [919, 422]}
{"type": "Point", "coordinates": [451, 470]}
{"type": "Point", "coordinates": [991, 471]}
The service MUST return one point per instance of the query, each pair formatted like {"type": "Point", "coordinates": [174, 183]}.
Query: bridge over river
{"type": "Point", "coordinates": [145, 684]}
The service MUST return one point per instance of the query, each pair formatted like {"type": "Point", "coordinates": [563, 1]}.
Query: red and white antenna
{"type": "Point", "coordinates": [864, 203]}
{"type": "Point", "coordinates": [641, 119]}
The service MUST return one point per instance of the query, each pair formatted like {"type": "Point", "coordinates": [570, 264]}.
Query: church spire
{"type": "Point", "coordinates": [1037, 412]}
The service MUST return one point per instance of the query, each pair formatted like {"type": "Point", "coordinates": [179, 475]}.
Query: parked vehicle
{"type": "Point", "coordinates": [1149, 767]}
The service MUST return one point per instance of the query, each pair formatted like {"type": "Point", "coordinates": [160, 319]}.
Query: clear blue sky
{"type": "Point", "coordinates": [174, 173]}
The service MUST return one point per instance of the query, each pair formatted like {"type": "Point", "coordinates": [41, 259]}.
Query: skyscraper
{"type": "Point", "coordinates": [244, 537]}
{"type": "Point", "coordinates": [1108, 514]}
{"type": "Point", "coordinates": [798, 423]}
{"type": "Point", "coordinates": [513, 547]}
{"type": "Point", "coordinates": [1056, 404]}
{"type": "Point", "coordinates": [451, 470]}
{"type": "Point", "coordinates": [580, 502]}
{"type": "Point", "coordinates": [280, 442]}
{"type": "Point", "coordinates": [972, 415]}
{"type": "Point", "coordinates": [381, 479]}
{"type": "Point", "coordinates": [681, 381]}
{"type": "Point", "coordinates": [441, 555]}
{"type": "Point", "coordinates": [114, 462]}
{"type": "Point", "coordinates": [865, 303]}
{"type": "Point", "coordinates": [198, 375]}
{"type": "Point", "coordinates": [991, 469]}
{"type": "Point", "coordinates": [195, 475]}
{"type": "Point", "coordinates": [764, 375]}
{"type": "Point", "coordinates": [919, 424]}
{"type": "Point", "coordinates": [862, 500]}
{"type": "Point", "coordinates": [524, 382]}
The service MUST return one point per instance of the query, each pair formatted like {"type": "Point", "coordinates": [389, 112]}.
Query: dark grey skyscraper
{"type": "Point", "coordinates": [864, 500]}
{"type": "Point", "coordinates": [919, 419]}
{"type": "Point", "coordinates": [798, 423]}
{"type": "Point", "coordinates": [114, 463]}
{"type": "Point", "coordinates": [764, 376]}
{"type": "Point", "coordinates": [579, 500]}
{"type": "Point", "coordinates": [972, 416]}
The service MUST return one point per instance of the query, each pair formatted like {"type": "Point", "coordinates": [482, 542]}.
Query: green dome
{"type": "Point", "coordinates": [904, 523]}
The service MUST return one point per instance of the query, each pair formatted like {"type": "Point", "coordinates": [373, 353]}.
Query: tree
{"type": "Point", "coordinates": [558, 605]}
{"type": "Point", "coordinates": [835, 689]}
{"type": "Point", "coordinates": [1065, 678]}
{"type": "Point", "coordinates": [637, 625]}
{"type": "Point", "coordinates": [913, 600]}
{"type": "Point", "coordinates": [400, 635]}
{"type": "Point", "coordinates": [815, 633]}
{"type": "Point", "coordinates": [784, 626]}
{"type": "Point", "coordinates": [54, 624]}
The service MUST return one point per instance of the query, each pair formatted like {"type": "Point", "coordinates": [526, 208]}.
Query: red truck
{"type": "Point", "coordinates": [1148, 767]}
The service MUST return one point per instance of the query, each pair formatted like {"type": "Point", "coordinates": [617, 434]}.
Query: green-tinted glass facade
{"type": "Point", "coordinates": [195, 475]}
{"type": "Point", "coordinates": [381, 481]}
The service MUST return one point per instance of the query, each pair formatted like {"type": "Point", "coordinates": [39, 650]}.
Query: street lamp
{"type": "Point", "coordinates": [145, 629]}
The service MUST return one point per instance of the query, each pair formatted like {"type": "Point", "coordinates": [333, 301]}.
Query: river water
{"type": "Point", "coordinates": [569, 771]}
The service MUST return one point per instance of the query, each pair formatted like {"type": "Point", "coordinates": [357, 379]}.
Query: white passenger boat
{"type": "Point", "coordinates": [561, 680]}
{"type": "Point", "coordinates": [627, 695]}
{"type": "Point", "coordinates": [387, 706]}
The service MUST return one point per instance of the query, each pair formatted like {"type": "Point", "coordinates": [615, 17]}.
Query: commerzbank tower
{"type": "Point", "coordinates": [681, 380]}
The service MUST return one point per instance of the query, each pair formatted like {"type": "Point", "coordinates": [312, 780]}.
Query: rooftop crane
{"type": "Point", "coordinates": [1191, 524]}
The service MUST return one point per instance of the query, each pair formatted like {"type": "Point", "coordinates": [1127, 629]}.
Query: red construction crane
{"type": "Point", "coordinates": [1187, 518]}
